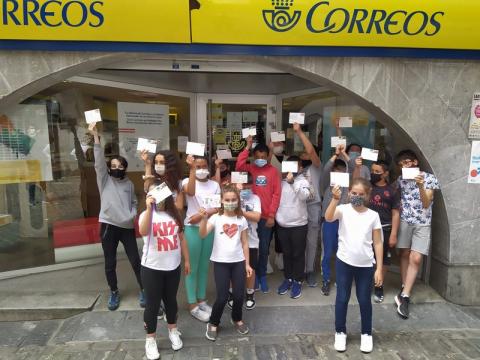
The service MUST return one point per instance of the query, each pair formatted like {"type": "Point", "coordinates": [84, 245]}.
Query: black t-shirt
{"type": "Point", "coordinates": [382, 200]}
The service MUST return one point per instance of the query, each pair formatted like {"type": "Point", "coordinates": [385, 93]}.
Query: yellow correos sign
{"type": "Point", "coordinates": [433, 24]}
{"type": "Point", "coordinates": [442, 24]}
{"type": "Point", "coordinates": [96, 20]}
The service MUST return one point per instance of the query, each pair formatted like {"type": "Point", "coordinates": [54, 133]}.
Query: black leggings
{"type": "Point", "coordinates": [224, 274]}
{"type": "Point", "coordinates": [160, 285]}
{"type": "Point", "coordinates": [111, 235]}
{"type": "Point", "coordinates": [293, 240]}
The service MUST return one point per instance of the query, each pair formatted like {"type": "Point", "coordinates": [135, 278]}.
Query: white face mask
{"type": "Point", "coordinates": [278, 150]}
{"type": "Point", "coordinates": [202, 174]}
{"type": "Point", "coordinates": [160, 169]}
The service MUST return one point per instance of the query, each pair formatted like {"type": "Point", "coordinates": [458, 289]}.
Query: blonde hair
{"type": "Point", "coordinates": [367, 186]}
{"type": "Point", "coordinates": [231, 188]}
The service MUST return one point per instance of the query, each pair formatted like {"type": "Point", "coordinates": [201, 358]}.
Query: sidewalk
{"type": "Point", "coordinates": [59, 294]}
{"type": "Point", "coordinates": [435, 331]}
{"type": "Point", "coordinates": [281, 328]}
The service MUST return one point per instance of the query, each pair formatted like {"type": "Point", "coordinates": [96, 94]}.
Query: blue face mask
{"type": "Point", "coordinates": [245, 193]}
{"type": "Point", "coordinates": [260, 162]}
{"type": "Point", "coordinates": [353, 155]}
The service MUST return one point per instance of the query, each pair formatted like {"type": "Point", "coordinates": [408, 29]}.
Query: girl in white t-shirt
{"type": "Point", "coordinates": [230, 257]}
{"type": "Point", "coordinates": [162, 230]}
{"type": "Point", "coordinates": [197, 188]}
{"type": "Point", "coordinates": [359, 228]}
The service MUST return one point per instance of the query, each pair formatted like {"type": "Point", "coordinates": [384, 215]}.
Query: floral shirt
{"type": "Point", "coordinates": [412, 211]}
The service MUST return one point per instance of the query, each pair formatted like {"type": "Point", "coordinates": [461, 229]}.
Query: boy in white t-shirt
{"type": "Point", "coordinates": [359, 228]}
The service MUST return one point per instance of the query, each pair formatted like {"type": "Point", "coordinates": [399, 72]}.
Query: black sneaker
{"type": "Point", "coordinates": [402, 306]}
{"type": "Point", "coordinates": [230, 300]}
{"type": "Point", "coordinates": [250, 301]}
{"type": "Point", "coordinates": [378, 294]}
{"type": "Point", "coordinates": [326, 288]}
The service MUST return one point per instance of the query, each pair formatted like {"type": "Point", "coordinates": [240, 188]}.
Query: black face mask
{"type": "Point", "coordinates": [375, 178]}
{"type": "Point", "coordinates": [117, 173]}
{"type": "Point", "coordinates": [224, 173]}
{"type": "Point", "coordinates": [306, 163]}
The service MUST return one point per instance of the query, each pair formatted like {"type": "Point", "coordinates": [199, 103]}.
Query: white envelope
{"type": "Point", "coordinates": [338, 140]}
{"type": "Point", "coordinates": [298, 118]}
{"type": "Point", "coordinates": [195, 149]}
{"type": "Point", "coordinates": [289, 166]}
{"type": "Point", "coordinates": [211, 201]}
{"type": "Point", "coordinates": [224, 154]}
{"type": "Point", "coordinates": [277, 136]}
{"type": "Point", "coordinates": [369, 154]}
{"type": "Point", "coordinates": [250, 131]}
{"type": "Point", "coordinates": [160, 192]}
{"type": "Point", "coordinates": [345, 122]}
{"type": "Point", "coordinates": [410, 173]}
{"type": "Point", "coordinates": [222, 147]}
{"type": "Point", "coordinates": [147, 144]}
{"type": "Point", "coordinates": [239, 177]}
{"type": "Point", "coordinates": [339, 178]}
{"type": "Point", "coordinates": [93, 116]}
{"type": "Point", "coordinates": [182, 143]}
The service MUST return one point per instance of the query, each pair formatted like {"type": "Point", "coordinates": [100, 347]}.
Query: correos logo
{"type": "Point", "coordinates": [52, 13]}
{"type": "Point", "coordinates": [280, 18]}
{"type": "Point", "coordinates": [324, 17]}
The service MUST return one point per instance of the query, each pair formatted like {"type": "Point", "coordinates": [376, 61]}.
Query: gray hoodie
{"type": "Point", "coordinates": [118, 199]}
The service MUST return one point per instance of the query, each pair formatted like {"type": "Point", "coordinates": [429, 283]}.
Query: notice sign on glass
{"type": "Point", "coordinates": [474, 129]}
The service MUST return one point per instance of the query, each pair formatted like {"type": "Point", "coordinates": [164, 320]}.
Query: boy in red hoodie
{"type": "Point", "coordinates": [266, 185]}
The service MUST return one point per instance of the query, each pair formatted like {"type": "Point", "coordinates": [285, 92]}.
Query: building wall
{"type": "Point", "coordinates": [427, 100]}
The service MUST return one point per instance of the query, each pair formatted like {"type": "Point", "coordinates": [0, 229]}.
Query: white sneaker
{"type": "Point", "coordinates": [279, 261]}
{"type": "Point", "coordinates": [199, 314]}
{"type": "Point", "coordinates": [269, 268]}
{"type": "Point", "coordinates": [366, 343]}
{"type": "Point", "coordinates": [340, 342]}
{"type": "Point", "coordinates": [174, 336]}
{"type": "Point", "coordinates": [205, 307]}
{"type": "Point", "coordinates": [151, 349]}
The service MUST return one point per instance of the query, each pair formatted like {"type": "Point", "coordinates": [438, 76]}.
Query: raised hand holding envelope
{"type": "Point", "coordinates": [93, 116]}
{"type": "Point", "coordinates": [239, 177]}
{"type": "Point", "coordinates": [160, 193]}
{"type": "Point", "coordinates": [410, 173]}
{"type": "Point", "coordinates": [195, 149]}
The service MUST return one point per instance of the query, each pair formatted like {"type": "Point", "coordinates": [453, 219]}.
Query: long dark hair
{"type": "Point", "coordinates": [173, 172]}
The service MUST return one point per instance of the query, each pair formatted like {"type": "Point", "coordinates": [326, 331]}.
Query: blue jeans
{"type": "Point", "coordinates": [363, 282]}
{"type": "Point", "coordinates": [264, 236]}
{"type": "Point", "coordinates": [330, 246]}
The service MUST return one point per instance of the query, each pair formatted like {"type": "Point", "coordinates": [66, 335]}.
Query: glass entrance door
{"type": "Point", "coordinates": [221, 119]}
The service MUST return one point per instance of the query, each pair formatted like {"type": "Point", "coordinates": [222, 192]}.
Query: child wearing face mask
{"type": "Point", "coordinates": [266, 184]}
{"type": "Point", "coordinates": [222, 172]}
{"type": "Point", "coordinates": [117, 216]}
{"type": "Point", "coordinates": [330, 229]}
{"type": "Point", "coordinates": [165, 167]}
{"type": "Point", "coordinates": [385, 200]}
{"type": "Point", "coordinates": [230, 257]}
{"type": "Point", "coordinates": [359, 229]}
{"type": "Point", "coordinates": [162, 229]}
{"type": "Point", "coordinates": [292, 226]}
{"type": "Point", "coordinates": [196, 187]}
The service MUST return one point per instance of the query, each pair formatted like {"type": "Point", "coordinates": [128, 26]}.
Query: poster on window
{"type": "Point", "coordinates": [474, 129]}
{"type": "Point", "coordinates": [138, 120]}
{"type": "Point", "coordinates": [474, 169]}
{"type": "Point", "coordinates": [24, 145]}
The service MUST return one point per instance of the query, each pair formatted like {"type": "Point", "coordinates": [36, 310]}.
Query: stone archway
{"type": "Point", "coordinates": [426, 102]}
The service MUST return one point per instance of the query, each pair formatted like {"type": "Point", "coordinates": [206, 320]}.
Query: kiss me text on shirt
{"type": "Point", "coordinates": [166, 235]}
